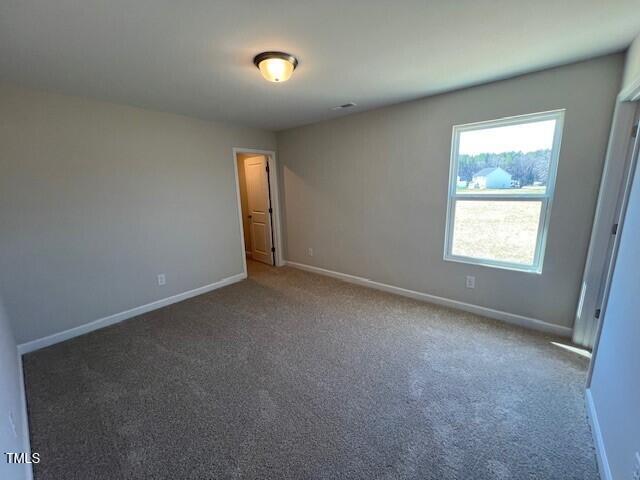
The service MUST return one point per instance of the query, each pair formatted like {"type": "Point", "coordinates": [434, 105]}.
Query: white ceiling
{"type": "Point", "coordinates": [195, 56]}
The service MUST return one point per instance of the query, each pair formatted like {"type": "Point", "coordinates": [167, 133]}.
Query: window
{"type": "Point", "coordinates": [500, 190]}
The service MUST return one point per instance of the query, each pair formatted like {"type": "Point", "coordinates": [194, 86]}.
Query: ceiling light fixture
{"type": "Point", "coordinates": [275, 66]}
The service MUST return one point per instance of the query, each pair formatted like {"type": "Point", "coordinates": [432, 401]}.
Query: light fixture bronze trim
{"type": "Point", "coordinates": [281, 55]}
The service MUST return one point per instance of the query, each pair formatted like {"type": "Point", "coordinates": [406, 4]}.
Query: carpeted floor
{"type": "Point", "coordinates": [290, 375]}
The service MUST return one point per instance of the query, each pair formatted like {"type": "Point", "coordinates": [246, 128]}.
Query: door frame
{"type": "Point", "coordinates": [610, 198]}
{"type": "Point", "coordinates": [624, 119]}
{"type": "Point", "coordinates": [276, 227]}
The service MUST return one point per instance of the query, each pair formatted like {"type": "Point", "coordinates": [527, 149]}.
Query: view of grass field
{"type": "Point", "coordinates": [496, 230]}
{"type": "Point", "coordinates": [526, 190]}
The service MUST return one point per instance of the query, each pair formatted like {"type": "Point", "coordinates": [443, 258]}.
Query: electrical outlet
{"type": "Point", "coordinates": [162, 279]}
{"type": "Point", "coordinates": [636, 468]}
{"type": "Point", "coordinates": [471, 281]}
{"type": "Point", "coordinates": [12, 422]}
{"type": "Point", "coordinates": [310, 251]}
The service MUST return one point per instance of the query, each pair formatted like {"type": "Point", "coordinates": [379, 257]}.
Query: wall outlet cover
{"type": "Point", "coordinates": [471, 281]}
{"type": "Point", "coordinates": [162, 279]}
{"type": "Point", "coordinates": [310, 252]}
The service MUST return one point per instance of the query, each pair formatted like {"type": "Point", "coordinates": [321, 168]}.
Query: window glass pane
{"type": "Point", "coordinates": [498, 230]}
{"type": "Point", "coordinates": [511, 159]}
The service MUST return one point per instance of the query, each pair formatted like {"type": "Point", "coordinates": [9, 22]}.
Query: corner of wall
{"type": "Point", "coordinates": [14, 435]}
{"type": "Point", "coordinates": [598, 440]}
{"type": "Point", "coordinates": [631, 75]}
{"type": "Point", "coordinates": [25, 417]}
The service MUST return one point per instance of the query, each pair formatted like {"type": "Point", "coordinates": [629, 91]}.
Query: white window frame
{"type": "Point", "coordinates": [545, 199]}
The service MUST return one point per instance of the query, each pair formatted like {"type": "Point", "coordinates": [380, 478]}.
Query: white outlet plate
{"type": "Point", "coordinates": [162, 279]}
{"type": "Point", "coordinates": [471, 281]}
{"type": "Point", "coordinates": [310, 252]}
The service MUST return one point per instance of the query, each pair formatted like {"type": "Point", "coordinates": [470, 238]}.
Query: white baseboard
{"type": "Point", "coordinates": [119, 317]}
{"type": "Point", "coordinates": [512, 318]}
{"type": "Point", "coordinates": [601, 453]}
{"type": "Point", "coordinates": [25, 419]}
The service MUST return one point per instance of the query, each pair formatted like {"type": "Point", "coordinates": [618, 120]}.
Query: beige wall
{"type": "Point", "coordinates": [96, 199]}
{"type": "Point", "coordinates": [369, 191]}
{"type": "Point", "coordinates": [632, 66]}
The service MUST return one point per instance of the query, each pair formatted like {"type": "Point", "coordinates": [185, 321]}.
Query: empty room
{"type": "Point", "coordinates": [319, 240]}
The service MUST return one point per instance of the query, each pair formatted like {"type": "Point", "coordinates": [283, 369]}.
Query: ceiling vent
{"type": "Point", "coordinates": [344, 105]}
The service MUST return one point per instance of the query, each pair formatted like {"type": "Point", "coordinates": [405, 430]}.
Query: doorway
{"type": "Point", "coordinates": [258, 205]}
{"type": "Point", "coordinates": [614, 188]}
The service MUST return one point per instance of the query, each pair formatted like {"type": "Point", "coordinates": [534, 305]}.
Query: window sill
{"type": "Point", "coordinates": [535, 269]}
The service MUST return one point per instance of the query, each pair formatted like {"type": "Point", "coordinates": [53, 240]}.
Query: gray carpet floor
{"type": "Point", "coordinates": [290, 375]}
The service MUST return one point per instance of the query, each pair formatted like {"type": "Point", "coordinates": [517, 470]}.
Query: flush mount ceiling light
{"type": "Point", "coordinates": [275, 66]}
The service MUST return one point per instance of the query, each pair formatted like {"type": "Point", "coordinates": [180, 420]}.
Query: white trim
{"type": "Point", "coordinates": [546, 199]}
{"type": "Point", "coordinates": [611, 193]}
{"type": "Point", "coordinates": [601, 453]}
{"type": "Point", "coordinates": [611, 265]}
{"type": "Point", "coordinates": [511, 318]}
{"type": "Point", "coordinates": [239, 201]}
{"type": "Point", "coordinates": [119, 317]}
{"type": "Point", "coordinates": [275, 200]}
{"type": "Point", "coordinates": [631, 93]}
{"type": "Point", "coordinates": [25, 418]}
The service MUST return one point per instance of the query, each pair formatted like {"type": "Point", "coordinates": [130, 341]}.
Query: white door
{"type": "Point", "coordinates": [255, 169]}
